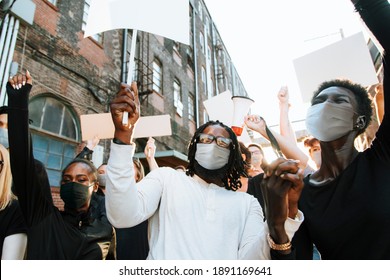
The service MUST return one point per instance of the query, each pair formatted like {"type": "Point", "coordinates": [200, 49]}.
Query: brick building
{"type": "Point", "coordinates": [73, 76]}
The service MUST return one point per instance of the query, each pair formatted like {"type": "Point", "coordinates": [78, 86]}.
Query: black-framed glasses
{"type": "Point", "coordinates": [1, 162]}
{"type": "Point", "coordinates": [219, 140]}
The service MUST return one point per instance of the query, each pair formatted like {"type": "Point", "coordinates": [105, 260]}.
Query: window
{"type": "Point", "coordinates": [205, 116]}
{"type": "Point", "coordinates": [177, 100]}
{"type": "Point", "coordinates": [54, 2]}
{"type": "Point", "coordinates": [176, 46]}
{"type": "Point", "coordinates": [209, 53]}
{"type": "Point", "coordinates": [201, 39]}
{"type": "Point", "coordinates": [206, 26]}
{"type": "Point", "coordinates": [157, 76]}
{"type": "Point", "coordinates": [204, 78]}
{"type": "Point", "coordinates": [200, 10]}
{"type": "Point", "coordinates": [97, 37]}
{"type": "Point", "coordinates": [55, 134]}
{"type": "Point", "coordinates": [211, 87]}
{"type": "Point", "coordinates": [191, 107]}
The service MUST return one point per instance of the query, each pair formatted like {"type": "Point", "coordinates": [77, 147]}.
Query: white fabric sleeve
{"type": "Point", "coordinates": [291, 225]}
{"type": "Point", "coordinates": [254, 244]}
{"type": "Point", "coordinates": [14, 247]}
{"type": "Point", "coordinates": [126, 206]}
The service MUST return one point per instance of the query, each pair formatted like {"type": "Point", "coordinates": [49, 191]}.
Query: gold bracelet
{"type": "Point", "coordinates": [278, 247]}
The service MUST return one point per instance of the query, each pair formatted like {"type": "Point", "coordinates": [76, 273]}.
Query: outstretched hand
{"type": "Point", "coordinates": [126, 100]}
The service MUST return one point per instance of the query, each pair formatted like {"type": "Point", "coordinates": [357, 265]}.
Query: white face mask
{"type": "Point", "coordinates": [102, 178]}
{"type": "Point", "coordinates": [211, 156]}
{"type": "Point", "coordinates": [328, 121]}
{"type": "Point", "coordinates": [316, 157]}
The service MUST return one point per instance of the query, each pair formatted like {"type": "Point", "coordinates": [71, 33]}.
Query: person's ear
{"type": "Point", "coordinates": [360, 122]}
{"type": "Point", "coordinates": [96, 186]}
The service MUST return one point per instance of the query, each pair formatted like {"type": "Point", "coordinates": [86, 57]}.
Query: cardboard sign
{"type": "Point", "coordinates": [346, 59]}
{"type": "Point", "coordinates": [167, 18]}
{"type": "Point", "coordinates": [102, 126]}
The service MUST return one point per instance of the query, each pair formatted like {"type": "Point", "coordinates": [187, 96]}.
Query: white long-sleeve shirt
{"type": "Point", "coordinates": [188, 218]}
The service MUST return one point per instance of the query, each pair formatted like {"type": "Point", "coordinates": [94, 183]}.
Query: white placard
{"type": "Point", "coordinates": [167, 18]}
{"type": "Point", "coordinates": [346, 59]}
{"type": "Point", "coordinates": [102, 126]}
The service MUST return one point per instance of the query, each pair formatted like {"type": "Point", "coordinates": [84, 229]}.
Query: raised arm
{"type": "Point", "coordinates": [150, 151]}
{"type": "Point", "coordinates": [288, 147]}
{"type": "Point", "coordinates": [126, 204]}
{"type": "Point", "coordinates": [376, 16]}
{"type": "Point", "coordinates": [30, 180]}
{"type": "Point", "coordinates": [286, 129]}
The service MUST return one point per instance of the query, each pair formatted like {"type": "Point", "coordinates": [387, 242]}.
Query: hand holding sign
{"type": "Point", "coordinates": [127, 100]}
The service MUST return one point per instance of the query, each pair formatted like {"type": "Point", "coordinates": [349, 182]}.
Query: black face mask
{"type": "Point", "coordinates": [74, 194]}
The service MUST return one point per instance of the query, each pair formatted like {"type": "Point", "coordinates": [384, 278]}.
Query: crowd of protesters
{"type": "Point", "coordinates": [229, 202]}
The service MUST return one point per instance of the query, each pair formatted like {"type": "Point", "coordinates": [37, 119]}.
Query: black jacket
{"type": "Point", "coordinates": [51, 234]}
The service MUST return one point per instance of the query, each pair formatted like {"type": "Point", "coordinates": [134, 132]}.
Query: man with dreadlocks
{"type": "Point", "coordinates": [198, 214]}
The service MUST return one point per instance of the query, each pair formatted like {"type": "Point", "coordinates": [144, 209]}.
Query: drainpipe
{"type": "Point", "coordinates": [11, 29]}
{"type": "Point", "coordinates": [196, 69]}
{"type": "Point", "coordinates": [215, 58]}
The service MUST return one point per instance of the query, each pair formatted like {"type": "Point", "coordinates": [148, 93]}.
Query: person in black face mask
{"type": "Point", "coordinates": [76, 233]}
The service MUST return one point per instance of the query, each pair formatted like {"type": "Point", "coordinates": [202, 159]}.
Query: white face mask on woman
{"type": "Point", "coordinates": [211, 156]}
{"type": "Point", "coordinates": [329, 121]}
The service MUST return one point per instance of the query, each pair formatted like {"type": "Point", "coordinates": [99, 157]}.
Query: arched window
{"type": "Point", "coordinates": [55, 134]}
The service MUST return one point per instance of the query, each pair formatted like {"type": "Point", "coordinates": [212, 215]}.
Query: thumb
{"type": "Point", "coordinates": [29, 78]}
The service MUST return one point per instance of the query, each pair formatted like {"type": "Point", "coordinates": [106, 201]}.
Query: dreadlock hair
{"type": "Point", "coordinates": [361, 95]}
{"type": "Point", "coordinates": [235, 166]}
{"type": "Point", "coordinates": [92, 167]}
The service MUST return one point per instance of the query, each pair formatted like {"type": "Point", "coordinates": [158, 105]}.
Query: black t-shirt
{"type": "Point", "coordinates": [349, 218]}
{"type": "Point", "coordinates": [11, 222]}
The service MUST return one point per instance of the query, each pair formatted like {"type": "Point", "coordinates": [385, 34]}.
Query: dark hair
{"type": "Point", "coordinates": [248, 156]}
{"type": "Point", "coordinates": [81, 160]}
{"type": "Point", "coordinates": [362, 97]}
{"type": "Point", "coordinates": [3, 110]}
{"type": "Point", "coordinates": [235, 165]}
{"type": "Point", "coordinates": [309, 141]}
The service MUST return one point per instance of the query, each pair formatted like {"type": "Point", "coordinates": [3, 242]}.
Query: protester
{"type": "Point", "coordinates": [257, 159]}
{"type": "Point", "coordinates": [314, 148]}
{"type": "Point", "coordinates": [102, 178]}
{"type": "Point", "coordinates": [72, 234]}
{"type": "Point", "coordinates": [4, 126]}
{"type": "Point", "coordinates": [198, 215]}
{"type": "Point", "coordinates": [246, 157]}
{"type": "Point", "coordinates": [346, 202]}
{"type": "Point", "coordinates": [13, 229]}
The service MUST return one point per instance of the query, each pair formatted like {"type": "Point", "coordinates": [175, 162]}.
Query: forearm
{"type": "Point", "coordinates": [152, 163]}
{"type": "Point", "coordinates": [290, 149]}
{"type": "Point", "coordinates": [21, 157]}
{"type": "Point", "coordinates": [121, 192]}
{"type": "Point", "coordinates": [286, 129]}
